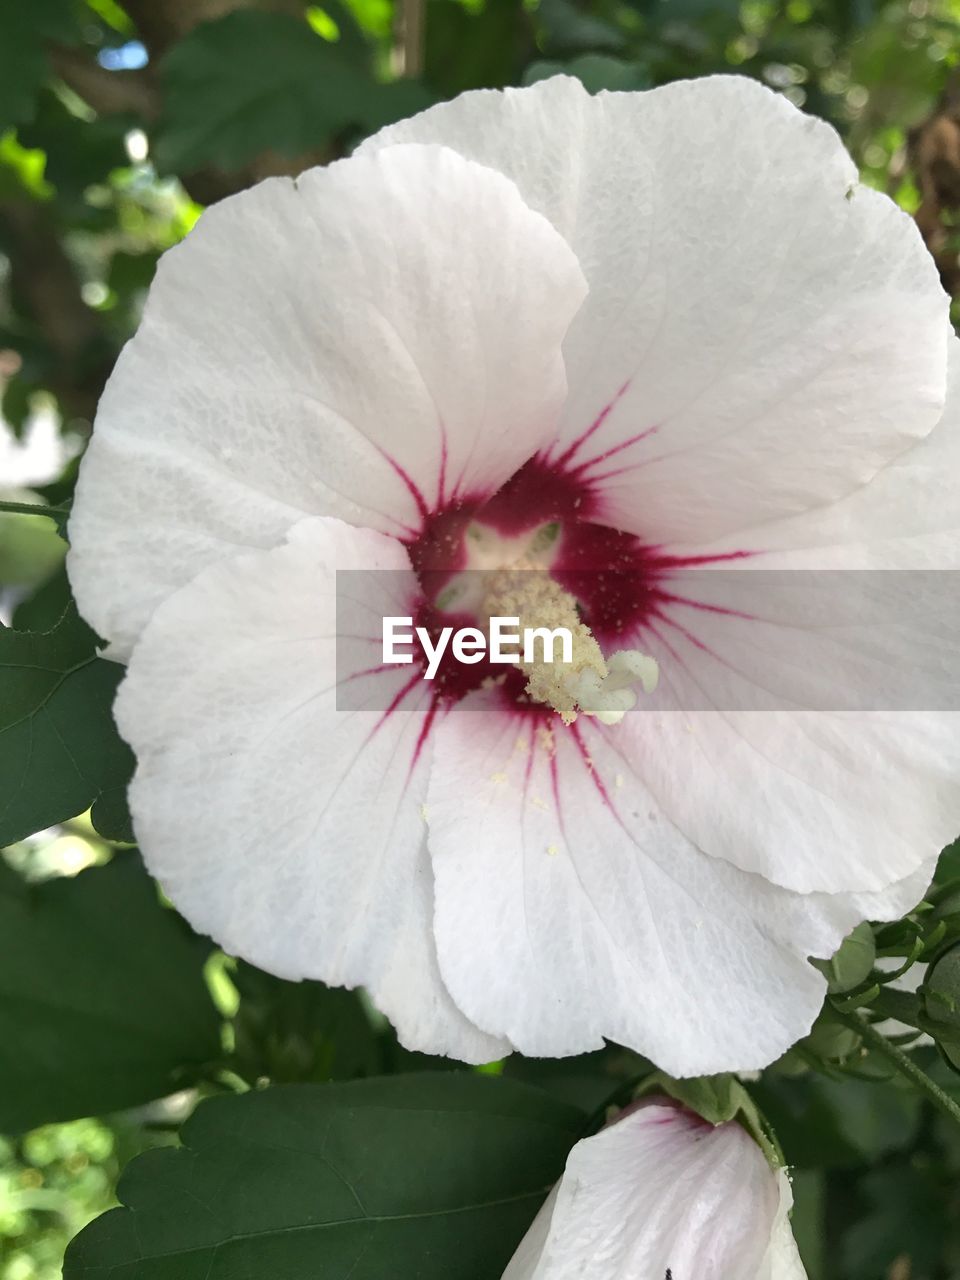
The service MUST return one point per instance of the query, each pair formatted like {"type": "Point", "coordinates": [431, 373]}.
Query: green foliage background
{"type": "Point", "coordinates": [118, 122]}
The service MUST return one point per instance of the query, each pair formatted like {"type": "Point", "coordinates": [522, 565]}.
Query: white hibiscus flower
{"type": "Point", "coordinates": [646, 331]}
{"type": "Point", "coordinates": [663, 1195]}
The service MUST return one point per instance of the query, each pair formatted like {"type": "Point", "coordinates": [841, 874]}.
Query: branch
{"type": "Point", "coordinates": [902, 1061]}
{"type": "Point", "coordinates": [43, 277]}
{"type": "Point", "coordinates": [409, 49]}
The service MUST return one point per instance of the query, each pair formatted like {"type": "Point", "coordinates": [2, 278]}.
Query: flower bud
{"type": "Point", "coordinates": [852, 962]}
{"type": "Point", "coordinates": [662, 1193]}
{"type": "Point", "coordinates": [942, 1003]}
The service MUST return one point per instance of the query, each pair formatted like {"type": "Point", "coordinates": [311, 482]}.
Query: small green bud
{"type": "Point", "coordinates": [941, 1001]}
{"type": "Point", "coordinates": [948, 906]}
{"type": "Point", "coordinates": [852, 963]}
{"type": "Point", "coordinates": [942, 990]}
{"type": "Point", "coordinates": [831, 1040]}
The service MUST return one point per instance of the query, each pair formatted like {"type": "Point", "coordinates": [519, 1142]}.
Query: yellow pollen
{"type": "Point", "coordinates": [588, 683]}
{"type": "Point", "coordinates": [538, 601]}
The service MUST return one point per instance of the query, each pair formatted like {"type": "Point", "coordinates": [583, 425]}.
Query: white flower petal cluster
{"type": "Point", "coordinates": [658, 1194]}
{"type": "Point", "coordinates": [670, 325]}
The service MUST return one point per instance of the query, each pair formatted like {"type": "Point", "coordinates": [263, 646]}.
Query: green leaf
{"type": "Point", "coordinates": [829, 1039]}
{"type": "Point", "coordinates": [60, 751]}
{"type": "Point", "coordinates": [948, 865]}
{"type": "Point", "coordinates": [567, 28]}
{"type": "Point", "coordinates": [78, 152]}
{"type": "Point", "coordinates": [301, 1031]}
{"type": "Point", "coordinates": [476, 47]}
{"type": "Point", "coordinates": [941, 999]}
{"type": "Point", "coordinates": [588, 1080]}
{"type": "Point", "coordinates": [251, 82]}
{"type": "Point", "coordinates": [102, 999]}
{"type": "Point", "coordinates": [807, 1219]}
{"type": "Point", "coordinates": [131, 272]}
{"type": "Point", "coordinates": [908, 1218]}
{"type": "Point", "coordinates": [852, 963]}
{"type": "Point", "coordinates": [30, 550]}
{"type": "Point", "coordinates": [42, 610]}
{"type": "Point", "coordinates": [595, 71]}
{"type": "Point", "coordinates": [428, 1176]}
{"type": "Point", "coordinates": [15, 404]}
{"type": "Point", "coordinates": [827, 1123]}
{"type": "Point", "coordinates": [26, 25]}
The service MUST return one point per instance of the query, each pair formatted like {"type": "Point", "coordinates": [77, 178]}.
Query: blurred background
{"type": "Point", "coordinates": [118, 124]}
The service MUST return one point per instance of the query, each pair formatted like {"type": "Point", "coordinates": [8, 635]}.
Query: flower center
{"type": "Point", "coordinates": [588, 682]}
{"type": "Point", "coordinates": [509, 577]}
{"type": "Point", "coordinates": [604, 582]}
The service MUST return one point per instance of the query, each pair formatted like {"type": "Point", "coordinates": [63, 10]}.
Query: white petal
{"type": "Point", "coordinates": [782, 1261]}
{"type": "Point", "coordinates": [289, 831]}
{"type": "Point", "coordinates": [366, 342]}
{"type": "Point", "coordinates": [661, 1192]}
{"type": "Point", "coordinates": [762, 334]}
{"type": "Point", "coordinates": [525, 1262]}
{"type": "Point", "coordinates": [813, 800]}
{"type": "Point", "coordinates": [819, 800]}
{"type": "Point", "coordinates": [570, 908]}
{"type": "Point", "coordinates": [907, 517]}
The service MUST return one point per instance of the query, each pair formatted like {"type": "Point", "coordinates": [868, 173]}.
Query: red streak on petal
{"type": "Point", "coordinates": [442, 477]}
{"type": "Point", "coordinates": [539, 492]}
{"type": "Point", "coordinates": [620, 581]}
{"type": "Point", "coordinates": [691, 562]}
{"type": "Point", "coordinates": [422, 509]}
{"type": "Point", "coordinates": [594, 427]}
{"type": "Point", "coordinates": [603, 476]}
{"type": "Point", "coordinates": [677, 626]}
{"type": "Point", "coordinates": [424, 733]}
{"type": "Point", "coordinates": [583, 467]}
{"type": "Point", "coordinates": [425, 727]}
{"type": "Point", "coordinates": [667, 597]}
{"type": "Point", "coordinates": [588, 764]}
{"type": "Point", "coordinates": [394, 703]}
{"type": "Point", "coordinates": [555, 787]}
{"type": "Point", "coordinates": [367, 671]}
{"type": "Point", "coordinates": [697, 644]}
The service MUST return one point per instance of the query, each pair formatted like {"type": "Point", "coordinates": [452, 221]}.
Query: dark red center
{"type": "Point", "coordinates": [617, 579]}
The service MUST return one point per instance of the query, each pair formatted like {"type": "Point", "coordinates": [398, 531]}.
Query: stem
{"type": "Point", "coordinates": [902, 1061]}
{"type": "Point", "coordinates": [33, 509]}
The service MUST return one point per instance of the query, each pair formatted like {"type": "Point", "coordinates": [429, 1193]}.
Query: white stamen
{"type": "Point", "coordinates": [610, 697]}
{"type": "Point", "coordinates": [589, 683]}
